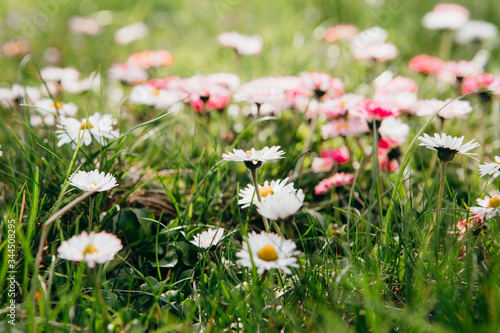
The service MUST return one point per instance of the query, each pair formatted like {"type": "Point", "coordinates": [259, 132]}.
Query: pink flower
{"type": "Point", "coordinates": [339, 179]}
{"type": "Point", "coordinates": [397, 85]}
{"type": "Point", "coordinates": [127, 74]}
{"type": "Point", "coordinates": [369, 110]}
{"type": "Point", "coordinates": [344, 32]}
{"type": "Point", "coordinates": [477, 83]}
{"type": "Point", "coordinates": [425, 64]}
{"type": "Point", "coordinates": [452, 71]}
{"type": "Point", "coordinates": [340, 155]}
{"type": "Point", "coordinates": [320, 164]}
{"type": "Point", "coordinates": [150, 59]}
{"type": "Point", "coordinates": [380, 52]}
{"type": "Point", "coordinates": [323, 84]}
{"type": "Point", "coordinates": [344, 127]}
{"type": "Point", "coordinates": [328, 158]}
{"type": "Point", "coordinates": [338, 107]}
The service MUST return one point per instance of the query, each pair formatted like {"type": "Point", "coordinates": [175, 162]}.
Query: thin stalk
{"type": "Point", "coordinates": [307, 144]}
{"type": "Point", "coordinates": [444, 165]}
{"type": "Point", "coordinates": [495, 114]}
{"type": "Point", "coordinates": [432, 162]}
{"type": "Point", "coordinates": [256, 185]}
{"type": "Point", "coordinates": [91, 213]}
{"type": "Point", "coordinates": [98, 296]}
{"type": "Point", "coordinates": [257, 125]}
{"type": "Point", "coordinates": [445, 44]}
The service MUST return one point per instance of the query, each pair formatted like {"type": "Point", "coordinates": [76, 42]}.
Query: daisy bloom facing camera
{"type": "Point", "coordinates": [268, 251]}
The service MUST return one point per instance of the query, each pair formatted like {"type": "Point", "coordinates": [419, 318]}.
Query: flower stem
{"type": "Point", "coordinates": [97, 293]}
{"type": "Point", "coordinates": [444, 165]}
{"type": "Point", "coordinates": [256, 185]}
{"type": "Point", "coordinates": [91, 213]}
{"type": "Point", "coordinates": [307, 144]}
{"type": "Point", "coordinates": [445, 44]}
{"type": "Point", "coordinates": [257, 125]}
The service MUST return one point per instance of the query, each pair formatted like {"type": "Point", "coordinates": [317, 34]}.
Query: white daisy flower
{"type": "Point", "coordinates": [58, 74]}
{"type": "Point", "coordinates": [446, 16]}
{"type": "Point", "coordinates": [254, 158]}
{"type": "Point", "coordinates": [394, 129]}
{"type": "Point", "coordinates": [129, 33]}
{"type": "Point", "coordinates": [47, 110]}
{"type": "Point", "coordinates": [92, 248]}
{"type": "Point", "coordinates": [89, 181]}
{"type": "Point", "coordinates": [492, 168]}
{"type": "Point", "coordinates": [281, 205]}
{"type": "Point", "coordinates": [243, 44]}
{"type": "Point", "coordinates": [447, 146]}
{"type": "Point", "coordinates": [96, 126]}
{"type": "Point", "coordinates": [488, 207]}
{"type": "Point", "coordinates": [1, 152]}
{"type": "Point", "coordinates": [268, 189]}
{"type": "Point", "coordinates": [268, 251]}
{"type": "Point", "coordinates": [208, 238]}
{"type": "Point", "coordinates": [475, 31]}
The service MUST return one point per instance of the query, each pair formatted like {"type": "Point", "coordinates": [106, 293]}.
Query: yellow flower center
{"type": "Point", "coordinates": [57, 105]}
{"type": "Point", "coordinates": [268, 253]}
{"type": "Point", "coordinates": [86, 125]}
{"type": "Point", "coordinates": [342, 126]}
{"type": "Point", "coordinates": [494, 202]}
{"type": "Point", "coordinates": [89, 249]}
{"type": "Point", "coordinates": [92, 184]}
{"type": "Point", "coordinates": [342, 103]}
{"type": "Point", "coordinates": [265, 191]}
{"type": "Point", "coordinates": [156, 92]}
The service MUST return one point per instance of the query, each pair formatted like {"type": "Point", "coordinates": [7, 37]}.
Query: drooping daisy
{"type": "Point", "coordinates": [254, 158]}
{"type": "Point", "coordinates": [492, 168]}
{"type": "Point", "coordinates": [268, 251]}
{"type": "Point", "coordinates": [282, 204]}
{"type": "Point", "coordinates": [267, 190]}
{"type": "Point", "coordinates": [93, 248]}
{"type": "Point", "coordinates": [90, 181]}
{"type": "Point", "coordinates": [96, 126]}
{"type": "Point", "coordinates": [208, 238]}
{"type": "Point", "coordinates": [447, 146]}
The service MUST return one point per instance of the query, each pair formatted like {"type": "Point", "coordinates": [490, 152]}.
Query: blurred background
{"type": "Point", "coordinates": [292, 32]}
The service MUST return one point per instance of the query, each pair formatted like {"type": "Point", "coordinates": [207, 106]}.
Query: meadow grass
{"type": "Point", "coordinates": [365, 263]}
